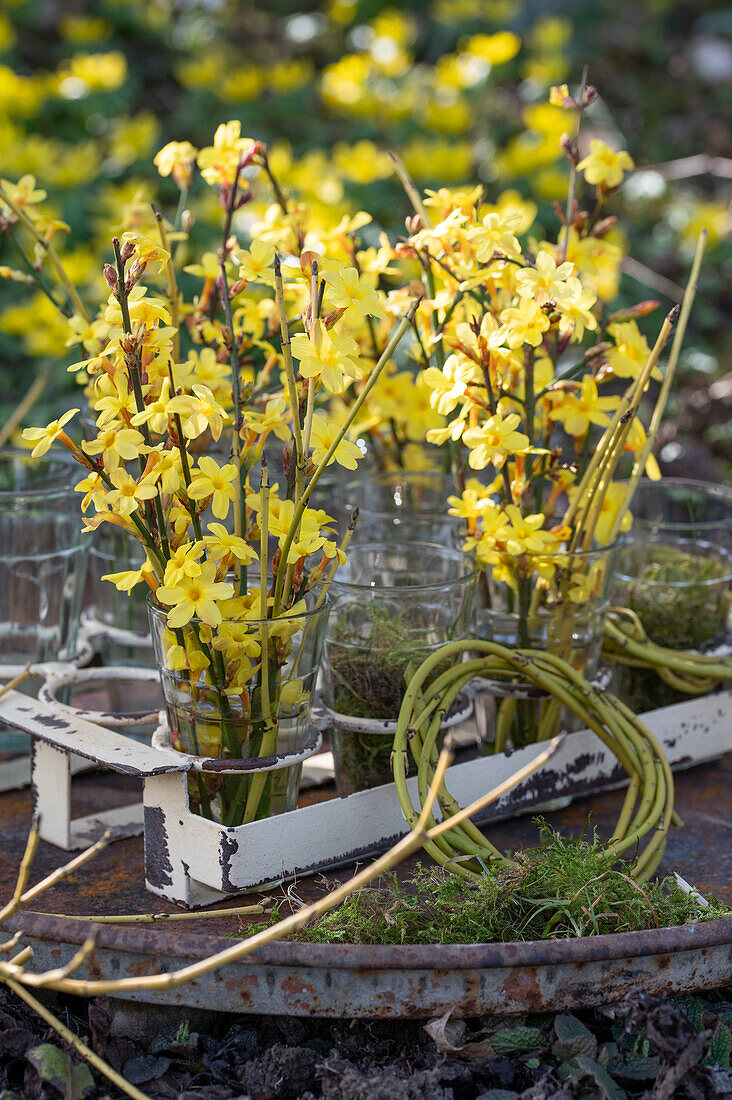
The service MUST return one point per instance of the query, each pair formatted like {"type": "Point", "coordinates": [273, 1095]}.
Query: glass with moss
{"type": "Point", "coordinates": [393, 604]}
{"type": "Point", "coordinates": [681, 592]}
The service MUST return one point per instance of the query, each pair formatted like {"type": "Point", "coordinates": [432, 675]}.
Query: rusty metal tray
{"type": "Point", "coordinates": [406, 981]}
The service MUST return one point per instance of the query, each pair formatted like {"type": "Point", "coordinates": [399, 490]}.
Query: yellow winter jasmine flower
{"type": "Point", "coordinates": [195, 597]}
{"type": "Point", "coordinates": [117, 398]}
{"type": "Point", "coordinates": [293, 697]}
{"type": "Point", "coordinates": [578, 411]}
{"type": "Point", "coordinates": [255, 263]}
{"type": "Point", "coordinates": [308, 541]}
{"type": "Point", "coordinates": [275, 418]}
{"type": "Point", "coordinates": [471, 505]}
{"type": "Point", "coordinates": [328, 356]}
{"type": "Point", "coordinates": [126, 579]}
{"type": "Point", "coordinates": [579, 588]}
{"type": "Point", "coordinates": [627, 358]}
{"type": "Point", "coordinates": [576, 309]}
{"type": "Point", "coordinates": [91, 334]}
{"type": "Point", "coordinates": [444, 200]}
{"type": "Point", "coordinates": [208, 268]}
{"type": "Point", "coordinates": [200, 412]}
{"type": "Point", "coordinates": [115, 444]}
{"type": "Point", "coordinates": [603, 167]}
{"type": "Point", "coordinates": [94, 491]}
{"type": "Point", "coordinates": [178, 659]}
{"type": "Point", "coordinates": [322, 435]}
{"type": "Point", "coordinates": [143, 310]}
{"type": "Point", "coordinates": [454, 430]}
{"type": "Point", "coordinates": [238, 641]}
{"type": "Point", "coordinates": [496, 235]}
{"type": "Point", "coordinates": [526, 323]}
{"type": "Point", "coordinates": [611, 503]}
{"type": "Point", "coordinates": [44, 437]}
{"type": "Point", "coordinates": [559, 96]}
{"type": "Point", "coordinates": [494, 441]}
{"type": "Point", "coordinates": [218, 162]}
{"type": "Point", "coordinates": [449, 385]}
{"type": "Point", "coordinates": [348, 291]}
{"type": "Point", "coordinates": [332, 550]}
{"type": "Point", "coordinates": [179, 518]}
{"type": "Point", "coordinates": [128, 494]}
{"type": "Point", "coordinates": [546, 282]}
{"type": "Point", "coordinates": [155, 414]}
{"type": "Point", "coordinates": [513, 202]}
{"type": "Point", "coordinates": [492, 524]}
{"type": "Point", "coordinates": [221, 543]}
{"type": "Point", "coordinates": [165, 465]}
{"type": "Point", "coordinates": [176, 159]}
{"type": "Point", "coordinates": [147, 251]}
{"type": "Point", "coordinates": [183, 563]}
{"type": "Point", "coordinates": [217, 482]}
{"type": "Point", "coordinates": [24, 194]}
{"type": "Point", "coordinates": [636, 439]}
{"type": "Point", "coordinates": [202, 368]}
{"type": "Point", "coordinates": [523, 535]}
{"type": "Point", "coordinates": [491, 338]}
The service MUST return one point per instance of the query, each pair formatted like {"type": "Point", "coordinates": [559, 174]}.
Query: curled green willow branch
{"type": "Point", "coordinates": [648, 809]}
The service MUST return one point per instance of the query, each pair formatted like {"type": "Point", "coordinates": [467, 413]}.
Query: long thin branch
{"type": "Point", "coordinates": [75, 1042]}
{"type": "Point", "coordinates": [642, 457]}
{"type": "Point", "coordinates": [352, 414]}
{"type": "Point", "coordinates": [25, 404]}
{"type": "Point", "coordinates": [51, 253]}
{"type": "Point", "coordinates": [419, 835]}
{"type": "Point", "coordinates": [573, 170]}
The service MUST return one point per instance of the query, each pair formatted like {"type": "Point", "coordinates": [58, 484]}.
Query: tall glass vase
{"type": "Point", "coordinates": [122, 616]}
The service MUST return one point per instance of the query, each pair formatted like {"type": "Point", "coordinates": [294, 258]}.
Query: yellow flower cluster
{"type": "Point", "coordinates": [186, 395]}
{"type": "Point", "coordinates": [522, 357]}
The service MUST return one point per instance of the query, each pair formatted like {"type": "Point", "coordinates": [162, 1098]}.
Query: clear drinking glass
{"type": "Point", "coordinates": [402, 505]}
{"type": "Point", "coordinates": [113, 551]}
{"type": "Point", "coordinates": [43, 562]}
{"type": "Point", "coordinates": [207, 720]}
{"type": "Point", "coordinates": [684, 509]}
{"type": "Point", "coordinates": [681, 590]}
{"type": "Point", "coordinates": [393, 604]}
{"type": "Point", "coordinates": [552, 601]}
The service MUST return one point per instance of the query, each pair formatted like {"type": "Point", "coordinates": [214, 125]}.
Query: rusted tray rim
{"type": "Point", "coordinates": [624, 945]}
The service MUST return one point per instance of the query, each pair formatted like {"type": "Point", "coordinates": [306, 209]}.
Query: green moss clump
{"type": "Point", "coordinates": [561, 889]}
